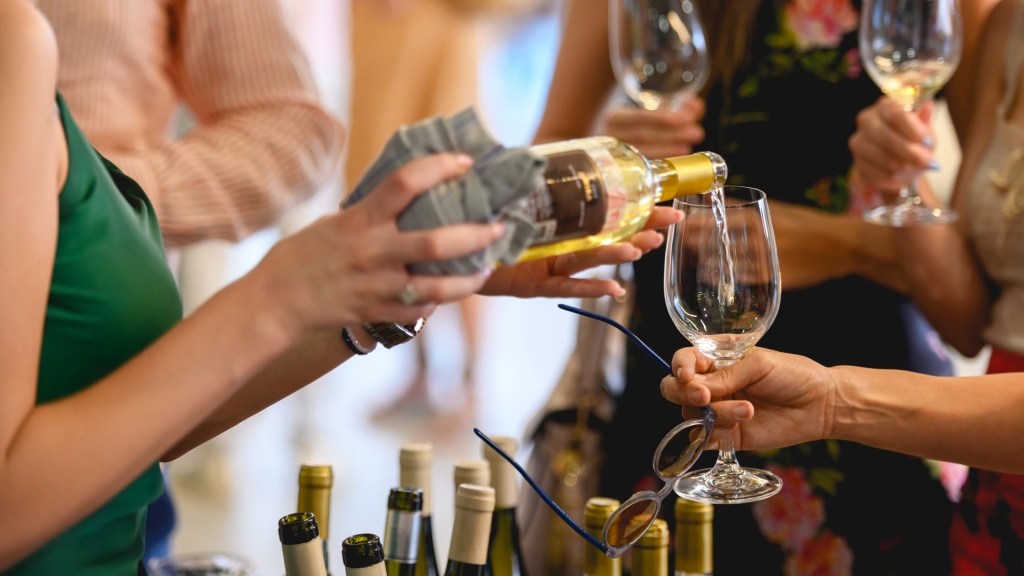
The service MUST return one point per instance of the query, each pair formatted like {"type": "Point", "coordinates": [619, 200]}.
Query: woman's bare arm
{"type": "Point", "coordinates": [72, 455]}
{"type": "Point", "coordinates": [583, 75]}
{"type": "Point", "coordinates": [944, 274]}
{"type": "Point", "coordinates": [780, 400]}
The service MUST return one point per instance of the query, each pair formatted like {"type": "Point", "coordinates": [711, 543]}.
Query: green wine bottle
{"type": "Point", "coordinates": [474, 506]}
{"type": "Point", "coordinates": [363, 555]}
{"type": "Point", "coordinates": [414, 465]}
{"type": "Point", "coordinates": [301, 546]}
{"type": "Point", "coordinates": [504, 558]}
{"type": "Point", "coordinates": [402, 531]}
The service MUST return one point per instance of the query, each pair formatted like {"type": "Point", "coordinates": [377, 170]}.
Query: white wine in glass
{"type": "Point", "coordinates": [722, 290]}
{"type": "Point", "coordinates": [658, 51]}
{"type": "Point", "coordinates": [910, 48]}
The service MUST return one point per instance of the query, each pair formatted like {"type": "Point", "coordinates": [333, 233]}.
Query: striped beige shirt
{"type": "Point", "coordinates": [263, 140]}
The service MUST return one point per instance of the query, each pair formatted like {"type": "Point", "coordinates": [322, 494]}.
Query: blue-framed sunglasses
{"type": "Point", "coordinates": [676, 454]}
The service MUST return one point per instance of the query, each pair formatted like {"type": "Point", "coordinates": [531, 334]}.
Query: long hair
{"type": "Point", "coordinates": [728, 29]}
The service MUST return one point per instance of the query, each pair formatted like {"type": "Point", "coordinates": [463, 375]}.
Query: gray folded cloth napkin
{"type": "Point", "coordinates": [492, 191]}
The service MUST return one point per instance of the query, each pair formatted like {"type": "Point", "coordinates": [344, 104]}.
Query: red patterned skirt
{"type": "Point", "coordinates": [987, 536]}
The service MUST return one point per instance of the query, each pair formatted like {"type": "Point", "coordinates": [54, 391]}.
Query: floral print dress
{"type": "Point", "coordinates": [782, 124]}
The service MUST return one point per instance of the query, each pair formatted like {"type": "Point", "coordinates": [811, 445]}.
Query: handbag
{"type": "Point", "coordinates": [567, 454]}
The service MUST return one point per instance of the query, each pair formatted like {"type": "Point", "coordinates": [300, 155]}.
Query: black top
{"type": "Point", "coordinates": [783, 128]}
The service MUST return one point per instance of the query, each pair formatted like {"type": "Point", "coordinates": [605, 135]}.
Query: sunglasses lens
{"type": "Point", "coordinates": [631, 523]}
{"type": "Point", "coordinates": [681, 451]}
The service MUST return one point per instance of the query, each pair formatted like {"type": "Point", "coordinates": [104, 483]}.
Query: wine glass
{"type": "Point", "coordinates": [722, 290]}
{"type": "Point", "coordinates": [657, 51]}
{"type": "Point", "coordinates": [910, 48]}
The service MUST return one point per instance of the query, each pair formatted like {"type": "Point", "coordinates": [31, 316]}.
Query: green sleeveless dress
{"type": "Point", "coordinates": [111, 296]}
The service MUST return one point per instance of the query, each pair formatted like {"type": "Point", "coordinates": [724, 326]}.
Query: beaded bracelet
{"type": "Point", "coordinates": [353, 344]}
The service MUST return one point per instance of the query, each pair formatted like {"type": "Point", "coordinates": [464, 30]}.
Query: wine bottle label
{"type": "Point", "coordinates": [583, 197]}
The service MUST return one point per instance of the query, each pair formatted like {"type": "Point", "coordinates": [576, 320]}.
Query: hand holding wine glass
{"type": "Point", "coordinates": [910, 48]}
{"type": "Point", "coordinates": [891, 142]}
{"type": "Point", "coordinates": [722, 290]}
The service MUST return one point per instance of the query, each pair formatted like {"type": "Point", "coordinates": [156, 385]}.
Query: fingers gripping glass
{"type": "Point", "coordinates": [675, 455]}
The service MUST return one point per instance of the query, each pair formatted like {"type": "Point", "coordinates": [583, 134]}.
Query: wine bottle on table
{"type": "Point", "coordinates": [415, 461]}
{"type": "Point", "coordinates": [595, 562]}
{"type": "Point", "coordinates": [474, 506]}
{"type": "Point", "coordinates": [504, 557]}
{"type": "Point", "coordinates": [363, 555]}
{"type": "Point", "coordinates": [315, 483]}
{"type": "Point", "coordinates": [600, 190]}
{"type": "Point", "coordinates": [693, 538]}
{"type": "Point", "coordinates": [402, 531]}
{"type": "Point", "coordinates": [301, 545]}
{"type": "Point", "coordinates": [650, 553]}
{"type": "Point", "coordinates": [475, 472]}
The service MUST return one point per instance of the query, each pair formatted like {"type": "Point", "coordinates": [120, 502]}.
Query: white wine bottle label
{"type": "Point", "coordinates": [583, 197]}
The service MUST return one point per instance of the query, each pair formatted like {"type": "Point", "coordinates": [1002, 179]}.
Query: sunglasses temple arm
{"type": "Point", "coordinates": [624, 330]}
{"type": "Point", "coordinates": [547, 499]}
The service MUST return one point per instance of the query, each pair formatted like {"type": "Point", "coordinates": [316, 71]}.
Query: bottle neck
{"type": "Point", "coordinates": [688, 175]}
{"type": "Point", "coordinates": [694, 547]}
{"type": "Point", "coordinates": [595, 563]}
{"type": "Point", "coordinates": [456, 568]}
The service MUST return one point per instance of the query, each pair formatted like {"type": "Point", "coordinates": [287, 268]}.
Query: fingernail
{"type": "Point", "coordinates": [620, 292]}
{"type": "Point", "coordinates": [934, 166]}
{"type": "Point", "coordinates": [464, 160]}
{"type": "Point", "coordinates": [742, 411]}
{"type": "Point", "coordinates": [498, 229]}
{"type": "Point", "coordinates": [928, 141]}
{"type": "Point", "coordinates": [696, 396]}
{"type": "Point", "coordinates": [488, 271]}
{"type": "Point", "coordinates": [637, 254]}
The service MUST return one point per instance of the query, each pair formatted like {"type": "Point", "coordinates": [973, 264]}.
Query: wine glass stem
{"type": "Point", "coordinates": [727, 464]}
{"type": "Point", "coordinates": [909, 195]}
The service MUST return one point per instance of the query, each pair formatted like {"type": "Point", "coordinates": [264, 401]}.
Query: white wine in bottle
{"type": "Point", "coordinates": [595, 563]}
{"type": "Point", "coordinates": [363, 555]}
{"type": "Point", "coordinates": [600, 190]}
{"type": "Point", "coordinates": [315, 483]}
{"type": "Point", "coordinates": [475, 472]}
{"type": "Point", "coordinates": [402, 531]}
{"type": "Point", "coordinates": [504, 557]}
{"type": "Point", "coordinates": [650, 553]}
{"type": "Point", "coordinates": [693, 538]}
{"type": "Point", "coordinates": [415, 461]}
{"type": "Point", "coordinates": [300, 544]}
{"type": "Point", "coordinates": [474, 506]}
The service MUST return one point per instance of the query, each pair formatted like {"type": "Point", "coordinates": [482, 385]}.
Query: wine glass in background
{"type": "Point", "coordinates": [657, 51]}
{"type": "Point", "coordinates": [722, 289]}
{"type": "Point", "coordinates": [910, 48]}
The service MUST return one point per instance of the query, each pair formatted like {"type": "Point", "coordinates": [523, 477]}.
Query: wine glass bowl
{"type": "Point", "coordinates": [722, 291]}
{"type": "Point", "coordinates": [723, 309]}
{"type": "Point", "coordinates": [910, 48]}
{"type": "Point", "coordinates": [658, 51]}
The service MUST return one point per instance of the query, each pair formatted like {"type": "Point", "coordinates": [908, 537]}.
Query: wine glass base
{"type": "Point", "coordinates": [749, 486]}
{"type": "Point", "coordinates": [910, 215]}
